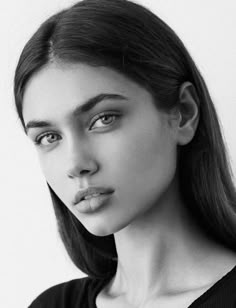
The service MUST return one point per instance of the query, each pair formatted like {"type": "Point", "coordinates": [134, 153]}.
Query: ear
{"type": "Point", "coordinates": [188, 109]}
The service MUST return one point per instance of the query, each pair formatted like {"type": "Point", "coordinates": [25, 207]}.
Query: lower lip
{"type": "Point", "coordinates": [92, 204]}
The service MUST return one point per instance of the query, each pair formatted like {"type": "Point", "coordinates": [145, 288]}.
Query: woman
{"type": "Point", "coordinates": [131, 148]}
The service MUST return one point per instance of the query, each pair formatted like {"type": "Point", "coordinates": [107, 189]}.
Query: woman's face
{"type": "Point", "coordinates": [132, 149]}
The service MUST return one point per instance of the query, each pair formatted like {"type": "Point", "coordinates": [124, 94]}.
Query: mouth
{"type": "Point", "coordinates": [92, 203]}
{"type": "Point", "coordinates": [88, 197]}
{"type": "Point", "coordinates": [91, 192]}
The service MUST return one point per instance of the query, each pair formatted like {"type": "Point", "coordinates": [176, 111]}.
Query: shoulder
{"type": "Point", "coordinates": [63, 295]}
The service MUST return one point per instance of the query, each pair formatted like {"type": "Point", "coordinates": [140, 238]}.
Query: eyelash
{"type": "Point", "coordinates": [37, 141]}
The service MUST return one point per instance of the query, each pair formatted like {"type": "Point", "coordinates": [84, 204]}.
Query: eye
{"type": "Point", "coordinates": [105, 118]}
{"type": "Point", "coordinates": [38, 140]}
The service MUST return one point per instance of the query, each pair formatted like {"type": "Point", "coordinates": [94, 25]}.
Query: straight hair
{"type": "Point", "coordinates": [131, 40]}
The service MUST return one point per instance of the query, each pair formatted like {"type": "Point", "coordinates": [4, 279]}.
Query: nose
{"type": "Point", "coordinates": [81, 161]}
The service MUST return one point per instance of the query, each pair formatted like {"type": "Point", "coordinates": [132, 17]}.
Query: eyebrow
{"type": "Point", "coordinates": [82, 109]}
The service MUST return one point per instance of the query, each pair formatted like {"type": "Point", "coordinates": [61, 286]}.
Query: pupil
{"type": "Point", "coordinates": [106, 117]}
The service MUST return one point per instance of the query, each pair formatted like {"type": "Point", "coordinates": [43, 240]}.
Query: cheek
{"type": "Point", "coordinates": [50, 167]}
{"type": "Point", "coordinates": [142, 153]}
{"type": "Point", "coordinates": [142, 165]}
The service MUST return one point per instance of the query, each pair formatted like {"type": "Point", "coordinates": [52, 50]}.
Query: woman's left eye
{"type": "Point", "coordinates": [105, 118]}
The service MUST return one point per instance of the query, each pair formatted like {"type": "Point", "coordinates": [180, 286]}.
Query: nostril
{"type": "Point", "coordinates": [84, 171]}
{"type": "Point", "coordinates": [73, 174]}
{"type": "Point", "coordinates": [70, 176]}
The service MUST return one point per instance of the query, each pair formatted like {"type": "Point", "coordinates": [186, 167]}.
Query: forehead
{"type": "Point", "coordinates": [55, 89]}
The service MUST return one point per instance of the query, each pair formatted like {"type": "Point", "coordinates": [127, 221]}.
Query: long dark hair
{"type": "Point", "coordinates": [132, 40]}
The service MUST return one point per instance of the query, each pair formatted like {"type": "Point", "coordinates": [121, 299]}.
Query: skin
{"type": "Point", "coordinates": [135, 154]}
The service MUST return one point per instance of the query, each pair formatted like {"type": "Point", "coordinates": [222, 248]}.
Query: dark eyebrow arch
{"type": "Point", "coordinates": [88, 105]}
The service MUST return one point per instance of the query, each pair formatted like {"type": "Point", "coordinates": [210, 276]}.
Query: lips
{"type": "Point", "coordinates": [90, 191]}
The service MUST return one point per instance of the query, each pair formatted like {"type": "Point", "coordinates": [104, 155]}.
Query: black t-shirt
{"type": "Point", "coordinates": [81, 293]}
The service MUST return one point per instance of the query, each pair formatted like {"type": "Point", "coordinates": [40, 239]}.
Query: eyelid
{"type": "Point", "coordinates": [98, 116]}
{"type": "Point", "coordinates": [38, 139]}
{"type": "Point", "coordinates": [102, 114]}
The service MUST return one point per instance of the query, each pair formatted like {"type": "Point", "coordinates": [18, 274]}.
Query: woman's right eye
{"type": "Point", "coordinates": [38, 140]}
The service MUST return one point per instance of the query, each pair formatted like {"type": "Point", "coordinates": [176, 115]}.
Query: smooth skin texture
{"type": "Point", "coordinates": [163, 258]}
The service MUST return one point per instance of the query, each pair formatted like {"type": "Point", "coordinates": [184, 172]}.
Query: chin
{"type": "Point", "coordinates": [99, 231]}
{"type": "Point", "coordinates": [104, 229]}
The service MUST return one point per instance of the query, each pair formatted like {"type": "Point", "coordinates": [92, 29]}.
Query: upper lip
{"type": "Point", "coordinates": [91, 190]}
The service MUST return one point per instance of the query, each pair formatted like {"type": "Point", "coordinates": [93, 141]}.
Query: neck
{"type": "Point", "coordinates": [164, 252]}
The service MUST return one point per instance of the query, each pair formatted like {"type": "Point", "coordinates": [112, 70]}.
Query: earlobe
{"type": "Point", "coordinates": [188, 113]}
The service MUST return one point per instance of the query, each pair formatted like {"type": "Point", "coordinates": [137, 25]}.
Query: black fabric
{"type": "Point", "coordinates": [81, 293]}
